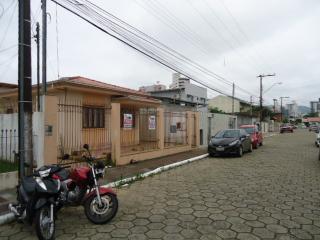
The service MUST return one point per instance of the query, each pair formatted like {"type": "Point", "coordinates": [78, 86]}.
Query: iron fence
{"type": "Point", "coordinates": [142, 133]}
{"type": "Point", "coordinates": [175, 129]}
{"type": "Point", "coordinates": [8, 144]}
{"type": "Point", "coordinates": [78, 125]}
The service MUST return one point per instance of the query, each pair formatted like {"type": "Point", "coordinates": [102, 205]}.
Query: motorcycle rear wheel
{"type": "Point", "coordinates": [44, 227]}
{"type": "Point", "coordinates": [101, 214]}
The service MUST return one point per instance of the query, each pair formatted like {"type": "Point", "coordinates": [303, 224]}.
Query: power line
{"type": "Point", "coordinates": [6, 10]}
{"type": "Point", "coordinates": [7, 66]}
{"type": "Point", "coordinates": [173, 26]}
{"type": "Point", "coordinates": [2, 11]}
{"type": "Point", "coordinates": [200, 41]}
{"type": "Point", "coordinates": [185, 59]}
{"type": "Point", "coordinates": [224, 40]}
{"type": "Point", "coordinates": [237, 24]}
{"type": "Point", "coordinates": [227, 28]}
{"type": "Point", "coordinates": [8, 60]}
{"type": "Point", "coordinates": [113, 29]}
{"type": "Point", "coordinates": [140, 49]}
{"type": "Point", "coordinates": [9, 23]}
{"type": "Point", "coordinates": [129, 38]}
{"type": "Point", "coordinates": [35, 16]}
{"type": "Point", "coordinates": [204, 70]}
{"type": "Point", "coordinates": [8, 48]}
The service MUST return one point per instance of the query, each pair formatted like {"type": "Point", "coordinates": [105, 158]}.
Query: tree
{"type": "Point", "coordinates": [266, 112]}
{"type": "Point", "coordinates": [215, 110]}
{"type": "Point", "coordinates": [314, 114]}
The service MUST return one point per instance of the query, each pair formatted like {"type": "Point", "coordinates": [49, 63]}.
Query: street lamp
{"type": "Point", "coordinates": [277, 83]}
{"type": "Point", "coordinates": [261, 76]}
{"type": "Point", "coordinates": [281, 105]}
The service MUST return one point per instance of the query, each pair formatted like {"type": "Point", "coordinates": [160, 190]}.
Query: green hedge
{"type": "Point", "coordinates": [8, 166]}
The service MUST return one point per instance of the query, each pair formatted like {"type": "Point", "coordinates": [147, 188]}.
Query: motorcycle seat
{"type": "Point", "coordinates": [29, 184]}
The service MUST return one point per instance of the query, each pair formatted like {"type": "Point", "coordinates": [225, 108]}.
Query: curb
{"type": "Point", "coordinates": [155, 171]}
{"type": "Point", "coordinates": [7, 218]}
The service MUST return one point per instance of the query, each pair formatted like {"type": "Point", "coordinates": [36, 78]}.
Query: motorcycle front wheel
{"type": "Point", "coordinates": [103, 213]}
{"type": "Point", "coordinates": [45, 228]}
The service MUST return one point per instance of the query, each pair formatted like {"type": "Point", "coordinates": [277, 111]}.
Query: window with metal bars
{"type": "Point", "coordinates": [93, 117]}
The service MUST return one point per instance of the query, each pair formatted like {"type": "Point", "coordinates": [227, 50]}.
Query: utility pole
{"type": "Point", "coordinates": [25, 89]}
{"type": "Point", "coordinates": [233, 88]}
{"type": "Point", "coordinates": [261, 76]}
{"type": "Point", "coordinates": [37, 39]}
{"type": "Point", "coordinates": [281, 106]}
{"type": "Point", "coordinates": [274, 105]}
{"type": "Point", "coordinates": [251, 102]}
{"type": "Point", "coordinates": [44, 46]}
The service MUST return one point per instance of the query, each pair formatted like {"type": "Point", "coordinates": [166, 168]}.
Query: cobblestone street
{"type": "Point", "coordinates": [272, 193]}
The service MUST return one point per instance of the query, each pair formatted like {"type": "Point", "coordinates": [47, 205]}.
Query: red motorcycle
{"type": "Point", "coordinates": [80, 187]}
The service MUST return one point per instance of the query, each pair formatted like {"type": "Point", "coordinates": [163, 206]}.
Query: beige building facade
{"type": "Point", "coordinates": [224, 104]}
{"type": "Point", "coordinates": [119, 124]}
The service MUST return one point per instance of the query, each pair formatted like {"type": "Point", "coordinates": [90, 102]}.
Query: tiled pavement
{"type": "Point", "coordinates": [272, 193]}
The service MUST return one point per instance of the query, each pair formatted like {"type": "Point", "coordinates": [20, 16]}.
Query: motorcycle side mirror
{"type": "Point", "coordinates": [86, 146]}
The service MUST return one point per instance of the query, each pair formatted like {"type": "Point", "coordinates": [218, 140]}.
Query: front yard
{"type": "Point", "coordinates": [8, 166]}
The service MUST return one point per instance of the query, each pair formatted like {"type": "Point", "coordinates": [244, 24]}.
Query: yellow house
{"type": "Point", "coordinates": [118, 123]}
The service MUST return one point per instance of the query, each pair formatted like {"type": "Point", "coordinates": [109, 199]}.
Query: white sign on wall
{"type": "Point", "coordinates": [127, 120]}
{"type": "Point", "coordinates": [152, 122]}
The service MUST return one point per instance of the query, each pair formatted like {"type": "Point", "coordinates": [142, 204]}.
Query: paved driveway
{"type": "Point", "coordinates": [272, 193]}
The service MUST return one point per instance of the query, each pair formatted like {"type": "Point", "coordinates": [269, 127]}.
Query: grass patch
{"type": "Point", "coordinates": [8, 166]}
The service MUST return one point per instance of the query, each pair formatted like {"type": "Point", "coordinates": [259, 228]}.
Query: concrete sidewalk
{"type": "Point", "coordinates": [117, 173]}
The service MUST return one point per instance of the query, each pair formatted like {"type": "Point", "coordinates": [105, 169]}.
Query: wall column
{"type": "Point", "coordinates": [160, 128]}
{"type": "Point", "coordinates": [136, 128]}
{"type": "Point", "coordinates": [197, 128]}
{"type": "Point", "coordinates": [50, 154]}
{"type": "Point", "coordinates": [190, 127]}
{"type": "Point", "coordinates": [115, 133]}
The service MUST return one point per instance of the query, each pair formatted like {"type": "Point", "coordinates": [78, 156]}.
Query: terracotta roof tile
{"type": "Point", "coordinates": [94, 83]}
{"type": "Point", "coordinates": [311, 119]}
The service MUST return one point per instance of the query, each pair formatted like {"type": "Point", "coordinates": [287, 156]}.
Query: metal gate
{"type": "Point", "coordinates": [78, 125]}
{"type": "Point", "coordinates": [175, 129]}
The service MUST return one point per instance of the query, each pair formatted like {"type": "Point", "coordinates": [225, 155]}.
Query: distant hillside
{"type": "Point", "coordinates": [303, 109]}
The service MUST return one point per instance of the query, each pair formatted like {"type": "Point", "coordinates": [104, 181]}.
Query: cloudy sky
{"type": "Point", "coordinates": [237, 40]}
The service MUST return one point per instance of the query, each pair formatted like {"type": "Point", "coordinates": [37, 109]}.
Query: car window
{"type": "Point", "coordinates": [249, 130]}
{"type": "Point", "coordinates": [228, 134]}
{"type": "Point", "coordinates": [243, 132]}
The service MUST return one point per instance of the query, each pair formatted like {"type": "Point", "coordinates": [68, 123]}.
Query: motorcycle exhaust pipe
{"type": "Point", "coordinates": [13, 209]}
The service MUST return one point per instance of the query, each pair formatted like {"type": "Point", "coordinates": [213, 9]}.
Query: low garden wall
{"type": "Point", "coordinates": [8, 180]}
